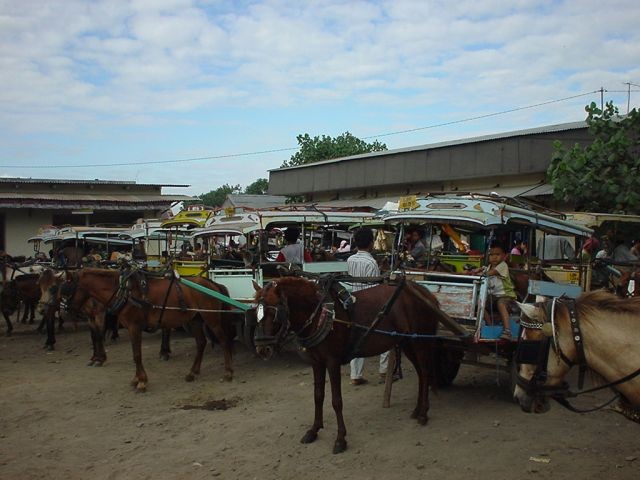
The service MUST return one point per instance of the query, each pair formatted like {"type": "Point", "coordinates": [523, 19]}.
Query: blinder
{"type": "Point", "coordinates": [281, 324]}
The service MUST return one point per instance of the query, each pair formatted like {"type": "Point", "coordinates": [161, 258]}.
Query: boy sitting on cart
{"type": "Point", "coordinates": [501, 290]}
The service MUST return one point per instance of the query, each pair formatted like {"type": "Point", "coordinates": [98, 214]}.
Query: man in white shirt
{"type": "Point", "coordinates": [362, 264]}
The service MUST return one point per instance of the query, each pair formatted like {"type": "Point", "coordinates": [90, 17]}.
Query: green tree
{"type": "Point", "coordinates": [325, 147]}
{"type": "Point", "coordinates": [605, 175]}
{"type": "Point", "coordinates": [259, 187]}
{"type": "Point", "coordinates": [215, 198]}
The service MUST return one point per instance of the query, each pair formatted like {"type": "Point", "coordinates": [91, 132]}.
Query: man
{"type": "Point", "coordinates": [362, 264]}
{"type": "Point", "coordinates": [293, 252]}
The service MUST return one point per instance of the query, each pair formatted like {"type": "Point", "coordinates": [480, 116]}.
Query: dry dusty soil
{"type": "Point", "coordinates": [60, 419]}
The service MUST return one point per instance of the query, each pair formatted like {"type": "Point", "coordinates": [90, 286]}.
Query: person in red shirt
{"type": "Point", "coordinates": [293, 251]}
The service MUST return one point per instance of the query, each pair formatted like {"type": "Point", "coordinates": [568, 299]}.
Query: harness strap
{"type": "Point", "coordinates": [354, 345]}
{"type": "Point", "coordinates": [576, 333]}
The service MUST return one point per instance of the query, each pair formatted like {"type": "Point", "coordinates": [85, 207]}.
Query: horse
{"type": "Point", "coordinates": [599, 333]}
{"type": "Point", "coordinates": [296, 304]}
{"type": "Point", "coordinates": [156, 302]}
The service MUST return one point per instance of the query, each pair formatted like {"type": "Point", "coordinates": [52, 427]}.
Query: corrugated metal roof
{"type": "Point", "coordinates": [254, 201]}
{"type": "Point", "coordinates": [561, 127]}
{"type": "Point", "coordinates": [87, 200]}
{"type": "Point", "coordinates": [48, 181]}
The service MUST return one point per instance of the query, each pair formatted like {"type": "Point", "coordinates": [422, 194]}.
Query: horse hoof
{"type": "Point", "coordinates": [90, 363]}
{"type": "Point", "coordinates": [227, 378]}
{"type": "Point", "coordinates": [423, 420]}
{"type": "Point", "coordinates": [48, 348]}
{"type": "Point", "coordinates": [414, 414]}
{"type": "Point", "coordinates": [141, 387]}
{"type": "Point", "coordinates": [98, 363]}
{"type": "Point", "coordinates": [190, 377]}
{"type": "Point", "coordinates": [134, 382]}
{"type": "Point", "coordinates": [164, 356]}
{"type": "Point", "coordinates": [309, 437]}
{"type": "Point", "coordinates": [340, 446]}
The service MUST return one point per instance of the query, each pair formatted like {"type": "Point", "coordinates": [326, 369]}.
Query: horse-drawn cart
{"type": "Point", "coordinates": [451, 271]}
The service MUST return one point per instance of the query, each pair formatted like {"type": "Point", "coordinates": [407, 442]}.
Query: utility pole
{"type": "Point", "coordinates": [602, 99]}
{"type": "Point", "coordinates": [628, 84]}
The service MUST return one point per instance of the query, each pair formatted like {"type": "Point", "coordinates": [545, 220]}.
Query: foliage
{"type": "Point", "coordinates": [259, 187]}
{"type": "Point", "coordinates": [215, 198]}
{"type": "Point", "coordinates": [325, 147]}
{"type": "Point", "coordinates": [605, 175]}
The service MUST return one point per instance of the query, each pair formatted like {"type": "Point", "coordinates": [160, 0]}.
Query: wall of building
{"type": "Point", "coordinates": [425, 168]}
{"type": "Point", "coordinates": [21, 224]}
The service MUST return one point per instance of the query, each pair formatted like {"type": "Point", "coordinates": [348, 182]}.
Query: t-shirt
{"type": "Point", "coordinates": [362, 264]}
{"type": "Point", "coordinates": [293, 253]}
{"type": "Point", "coordinates": [501, 285]}
{"type": "Point", "coordinates": [418, 251]}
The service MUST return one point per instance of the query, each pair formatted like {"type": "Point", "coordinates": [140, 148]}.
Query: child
{"type": "Point", "coordinates": [501, 289]}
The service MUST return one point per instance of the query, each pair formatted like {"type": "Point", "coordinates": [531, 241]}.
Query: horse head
{"type": "Point", "coordinates": [271, 319]}
{"type": "Point", "coordinates": [49, 283]}
{"type": "Point", "coordinates": [541, 358]}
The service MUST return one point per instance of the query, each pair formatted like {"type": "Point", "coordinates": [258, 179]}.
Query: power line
{"type": "Point", "coordinates": [478, 117]}
{"type": "Point", "coordinates": [288, 149]}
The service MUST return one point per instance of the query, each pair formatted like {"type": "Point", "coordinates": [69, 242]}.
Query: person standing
{"type": "Point", "coordinates": [362, 264]}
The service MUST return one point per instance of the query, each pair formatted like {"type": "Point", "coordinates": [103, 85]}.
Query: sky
{"type": "Point", "coordinates": [127, 83]}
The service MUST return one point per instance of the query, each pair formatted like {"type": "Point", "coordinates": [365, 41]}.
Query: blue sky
{"type": "Point", "coordinates": [101, 82]}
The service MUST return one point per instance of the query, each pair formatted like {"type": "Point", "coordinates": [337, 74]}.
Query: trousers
{"type": "Point", "coordinates": [357, 365]}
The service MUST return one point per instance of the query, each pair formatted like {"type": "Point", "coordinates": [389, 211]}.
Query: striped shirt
{"type": "Point", "coordinates": [362, 264]}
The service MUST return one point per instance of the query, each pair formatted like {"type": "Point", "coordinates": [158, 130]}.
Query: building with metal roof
{"type": "Point", "coordinates": [27, 204]}
{"type": "Point", "coordinates": [510, 164]}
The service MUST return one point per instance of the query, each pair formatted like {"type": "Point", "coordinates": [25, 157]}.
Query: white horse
{"type": "Point", "coordinates": [610, 333]}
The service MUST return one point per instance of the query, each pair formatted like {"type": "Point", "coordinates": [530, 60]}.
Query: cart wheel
{"type": "Point", "coordinates": [447, 364]}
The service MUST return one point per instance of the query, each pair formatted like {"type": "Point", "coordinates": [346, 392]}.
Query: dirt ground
{"type": "Point", "coordinates": [60, 419]}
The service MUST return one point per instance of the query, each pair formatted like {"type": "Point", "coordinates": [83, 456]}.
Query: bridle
{"type": "Point", "coordinates": [280, 316]}
{"type": "Point", "coordinates": [536, 352]}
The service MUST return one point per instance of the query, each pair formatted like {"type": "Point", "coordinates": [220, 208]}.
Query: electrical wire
{"type": "Point", "coordinates": [288, 149]}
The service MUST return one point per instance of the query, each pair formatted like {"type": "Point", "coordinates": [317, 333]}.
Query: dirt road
{"type": "Point", "coordinates": [60, 419]}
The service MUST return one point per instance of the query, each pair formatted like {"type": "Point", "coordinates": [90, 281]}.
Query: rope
{"type": "Point", "coordinates": [158, 307]}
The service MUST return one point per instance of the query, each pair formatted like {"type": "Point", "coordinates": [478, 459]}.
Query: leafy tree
{"type": "Point", "coordinates": [215, 198]}
{"type": "Point", "coordinates": [259, 187]}
{"type": "Point", "coordinates": [325, 147]}
{"type": "Point", "coordinates": [605, 175]}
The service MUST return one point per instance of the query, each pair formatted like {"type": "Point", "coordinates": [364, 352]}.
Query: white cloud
{"type": "Point", "coordinates": [80, 66]}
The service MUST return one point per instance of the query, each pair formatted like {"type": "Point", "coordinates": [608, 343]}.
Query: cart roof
{"type": "Point", "coordinates": [593, 220]}
{"type": "Point", "coordinates": [479, 211]}
{"type": "Point", "coordinates": [311, 217]}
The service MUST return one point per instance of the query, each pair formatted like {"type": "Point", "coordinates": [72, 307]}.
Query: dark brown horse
{"type": "Point", "coordinates": [161, 302]}
{"type": "Point", "coordinates": [295, 304]}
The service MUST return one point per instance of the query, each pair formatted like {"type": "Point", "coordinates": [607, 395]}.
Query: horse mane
{"type": "Point", "coordinates": [298, 290]}
{"type": "Point", "coordinates": [603, 300]}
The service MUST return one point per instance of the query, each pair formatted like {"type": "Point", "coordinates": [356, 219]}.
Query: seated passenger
{"type": "Point", "coordinates": [501, 290]}
{"type": "Point", "coordinates": [293, 252]}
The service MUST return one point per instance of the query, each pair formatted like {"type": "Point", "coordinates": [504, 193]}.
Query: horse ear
{"type": "Point", "coordinates": [529, 310]}
{"type": "Point", "coordinates": [256, 286]}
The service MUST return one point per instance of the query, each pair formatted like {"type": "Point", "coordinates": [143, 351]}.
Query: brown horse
{"type": "Point", "coordinates": [296, 304]}
{"type": "Point", "coordinates": [163, 302]}
{"type": "Point", "coordinates": [609, 329]}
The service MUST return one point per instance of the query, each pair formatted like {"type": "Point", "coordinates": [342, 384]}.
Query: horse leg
{"type": "Point", "coordinates": [135, 334]}
{"type": "Point", "coordinates": [201, 344]}
{"type": "Point", "coordinates": [419, 357]}
{"type": "Point", "coordinates": [42, 324]}
{"type": "Point", "coordinates": [97, 325]}
{"type": "Point", "coordinates": [60, 322]}
{"type": "Point", "coordinates": [333, 366]}
{"type": "Point", "coordinates": [165, 345]}
{"type": "Point", "coordinates": [51, 336]}
{"type": "Point", "coordinates": [319, 378]}
{"type": "Point", "coordinates": [9, 324]}
{"type": "Point", "coordinates": [31, 307]}
{"type": "Point", "coordinates": [225, 344]}
{"type": "Point", "coordinates": [111, 323]}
